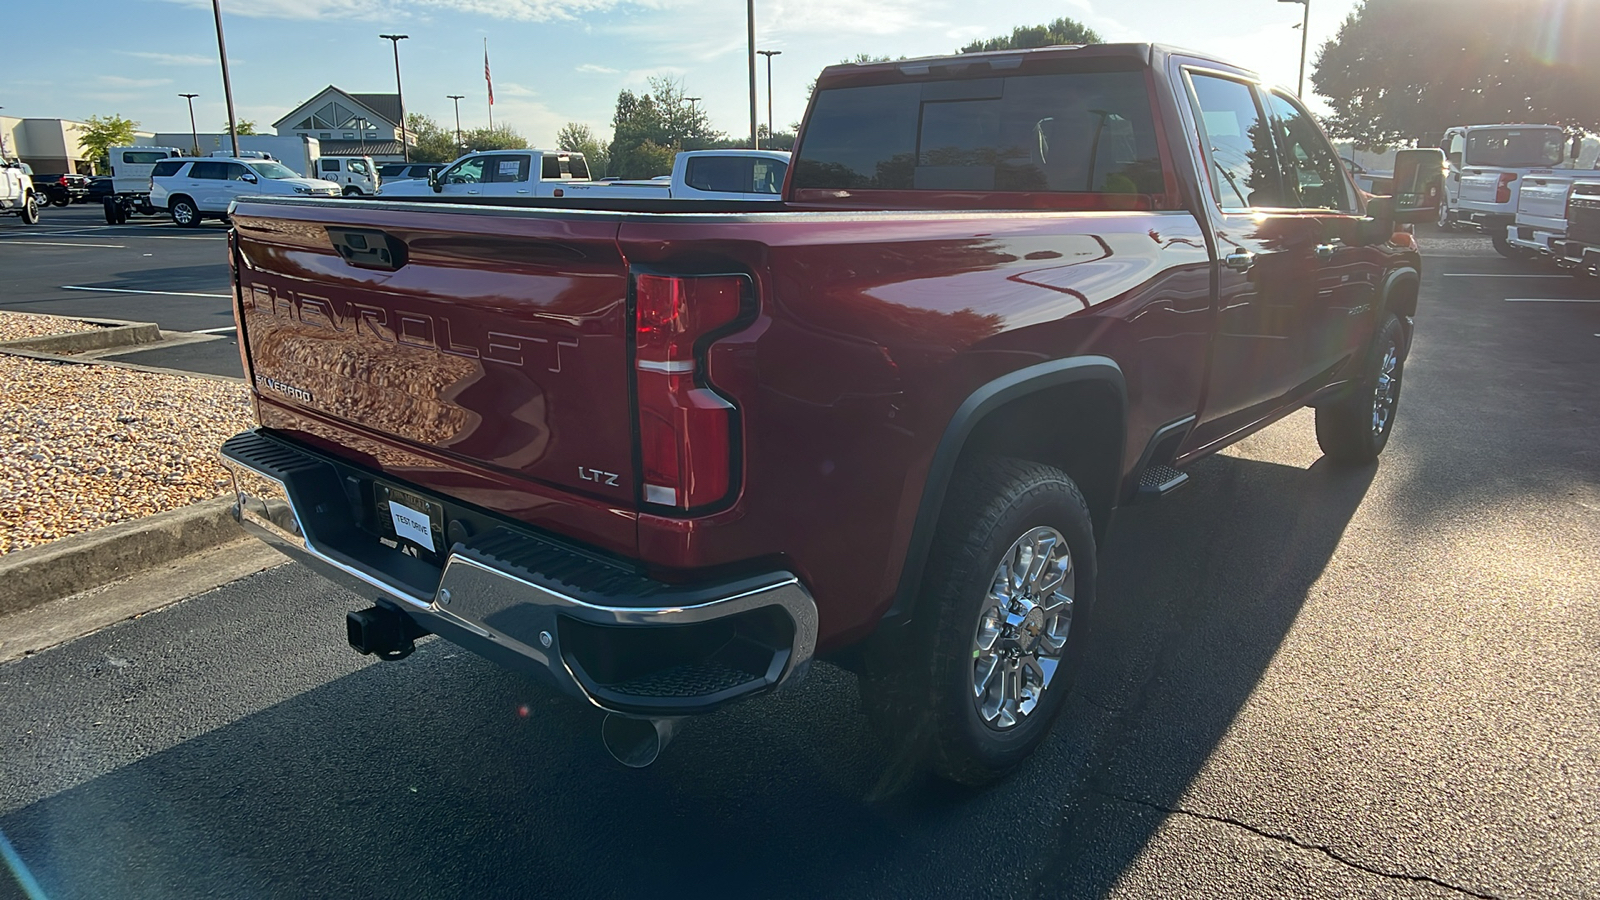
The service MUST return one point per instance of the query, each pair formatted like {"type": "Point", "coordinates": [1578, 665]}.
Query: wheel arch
{"type": "Point", "coordinates": [1087, 394]}
{"type": "Point", "coordinates": [1401, 288]}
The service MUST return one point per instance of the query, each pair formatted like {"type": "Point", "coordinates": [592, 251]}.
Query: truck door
{"type": "Point", "coordinates": [1267, 270]}
{"type": "Point", "coordinates": [507, 175]}
{"type": "Point", "coordinates": [1348, 269]}
{"type": "Point", "coordinates": [464, 179]}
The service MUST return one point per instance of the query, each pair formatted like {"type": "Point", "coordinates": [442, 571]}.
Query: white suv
{"type": "Point", "coordinates": [200, 188]}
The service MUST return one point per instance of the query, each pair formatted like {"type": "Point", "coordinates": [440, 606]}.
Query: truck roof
{"type": "Point", "coordinates": [999, 61]}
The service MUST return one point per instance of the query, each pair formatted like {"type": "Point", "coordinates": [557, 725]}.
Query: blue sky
{"type": "Point", "coordinates": [557, 61]}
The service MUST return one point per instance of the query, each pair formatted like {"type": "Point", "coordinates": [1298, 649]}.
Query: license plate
{"type": "Point", "coordinates": [415, 520]}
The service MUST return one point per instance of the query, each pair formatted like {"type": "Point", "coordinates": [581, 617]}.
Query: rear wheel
{"type": "Point", "coordinates": [1445, 222]}
{"type": "Point", "coordinates": [1356, 428]}
{"type": "Point", "coordinates": [184, 213]}
{"type": "Point", "coordinates": [61, 200]}
{"type": "Point", "coordinates": [1000, 628]}
{"type": "Point", "coordinates": [1504, 247]}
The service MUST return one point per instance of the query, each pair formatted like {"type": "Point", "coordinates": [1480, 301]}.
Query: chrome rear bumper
{"type": "Point", "coordinates": [625, 643]}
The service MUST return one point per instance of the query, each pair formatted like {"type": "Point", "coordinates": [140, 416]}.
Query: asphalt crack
{"type": "Point", "coordinates": [1325, 850]}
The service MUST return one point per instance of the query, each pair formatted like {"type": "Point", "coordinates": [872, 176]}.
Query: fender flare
{"type": "Point", "coordinates": [1393, 280]}
{"type": "Point", "coordinates": [979, 404]}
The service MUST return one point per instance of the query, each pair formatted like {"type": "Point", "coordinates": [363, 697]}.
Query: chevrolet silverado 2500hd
{"type": "Point", "coordinates": [665, 455]}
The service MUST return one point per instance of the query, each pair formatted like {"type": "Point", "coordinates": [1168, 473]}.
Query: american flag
{"type": "Point", "coordinates": [486, 79]}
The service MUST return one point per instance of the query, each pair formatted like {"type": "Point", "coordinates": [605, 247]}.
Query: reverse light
{"type": "Point", "coordinates": [685, 428]}
{"type": "Point", "coordinates": [1502, 190]}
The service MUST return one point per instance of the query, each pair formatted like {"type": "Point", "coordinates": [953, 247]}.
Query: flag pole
{"type": "Point", "coordinates": [488, 83]}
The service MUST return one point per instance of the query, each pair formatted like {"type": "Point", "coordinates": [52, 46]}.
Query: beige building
{"type": "Point", "coordinates": [48, 145]}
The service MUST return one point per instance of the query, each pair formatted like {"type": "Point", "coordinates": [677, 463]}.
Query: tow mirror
{"type": "Point", "coordinates": [1418, 188]}
{"type": "Point", "coordinates": [250, 178]}
{"type": "Point", "coordinates": [433, 180]}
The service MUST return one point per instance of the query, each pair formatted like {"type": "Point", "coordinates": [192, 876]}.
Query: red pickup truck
{"type": "Point", "coordinates": [666, 455]}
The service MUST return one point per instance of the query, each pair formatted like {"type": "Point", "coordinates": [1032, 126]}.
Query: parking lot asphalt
{"type": "Point", "coordinates": [1305, 681]}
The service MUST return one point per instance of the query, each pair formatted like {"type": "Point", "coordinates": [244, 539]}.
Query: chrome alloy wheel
{"type": "Point", "coordinates": [1023, 628]}
{"type": "Point", "coordinates": [1387, 390]}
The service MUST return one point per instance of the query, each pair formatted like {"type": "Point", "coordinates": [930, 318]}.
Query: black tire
{"type": "Point", "coordinates": [185, 214]}
{"type": "Point", "coordinates": [1504, 247]}
{"type": "Point", "coordinates": [1349, 430]}
{"type": "Point", "coordinates": [30, 210]}
{"type": "Point", "coordinates": [353, 192]}
{"type": "Point", "coordinates": [1445, 223]}
{"type": "Point", "coordinates": [922, 701]}
{"type": "Point", "coordinates": [111, 211]}
{"type": "Point", "coordinates": [63, 200]}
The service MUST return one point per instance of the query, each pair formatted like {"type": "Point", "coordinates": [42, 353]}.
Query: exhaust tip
{"type": "Point", "coordinates": [636, 743]}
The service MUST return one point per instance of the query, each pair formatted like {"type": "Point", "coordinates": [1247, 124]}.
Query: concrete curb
{"type": "Point", "coordinates": [84, 561]}
{"type": "Point", "coordinates": [114, 334]}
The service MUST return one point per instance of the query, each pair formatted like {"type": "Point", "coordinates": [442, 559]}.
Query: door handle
{"type": "Point", "coordinates": [1239, 260]}
{"type": "Point", "coordinates": [472, 190]}
{"type": "Point", "coordinates": [1325, 251]}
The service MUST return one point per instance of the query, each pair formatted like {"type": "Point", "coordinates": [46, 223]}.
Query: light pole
{"type": "Point", "coordinates": [1305, 28]}
{"type": "Point", "coordinates": [750, 28]}
{"type": "Point", "coordinates": [457, 99]}
{"type": "Point", "coordinates": [194, 132]}
{"type": "Point", "coordinates": [227, 83]}
{"type": "Point", "coordinates": [769, 54]}
{"type": "Point", "coordinates": [405, 145]}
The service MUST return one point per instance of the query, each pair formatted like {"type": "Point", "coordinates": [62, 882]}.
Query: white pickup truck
{"type": "Point", "coordinates": [1579, 250]}
{"type": "Point", "coordinates": [1542, 207]}
{"type": "Point", "coordinates": [17, 194]}
{"type": "Point", "coordinates": [499, 173]}
{"type": "Point", "coordinates": [1488, 165]}
{"type": "Point", "coordinates": [702, 175]}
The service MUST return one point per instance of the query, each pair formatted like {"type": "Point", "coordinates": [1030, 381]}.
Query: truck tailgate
{"type": "Point", "coordinates": [1542, 202]}
{"type": "Point", "coordinates": [494, 347]}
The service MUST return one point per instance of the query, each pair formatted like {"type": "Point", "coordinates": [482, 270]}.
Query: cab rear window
{"type": "Point", "coordinates": [1088, 132]}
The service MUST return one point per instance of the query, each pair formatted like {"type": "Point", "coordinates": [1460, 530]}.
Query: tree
{"type": "Point", "coordinates": [434, 142]}
{"type": "Point", "coordinates": [500, 137]}
{"type": "Point", "coordinates": [101, 134]}
{"type": "Point", "coordinates": [244, 126]}
{"type": "Point", "coordinates": [1061, 31]}
{"type": "Point", "coordinates": [581, 138]}
{"type": "Point", "coordinates": [648, 129]}
{"type": "Point", "coordinates": [1402, 71]}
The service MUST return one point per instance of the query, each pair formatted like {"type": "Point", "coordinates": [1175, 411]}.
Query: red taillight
{"type": "Point", "coordinates": [685, 428]}
{"type": "Point", "coordinates": [63, 181]}
{"type": "Point", "coordinates": [1502, 191]}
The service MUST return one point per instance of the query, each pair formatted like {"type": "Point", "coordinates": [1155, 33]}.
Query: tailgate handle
{"type": "Point", "coordinates": [369, 248]}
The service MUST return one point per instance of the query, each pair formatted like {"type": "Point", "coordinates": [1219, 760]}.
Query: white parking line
{"type": "Point", "coordinates": [1500, 275]}
{"type": "Point", "coordinates": [75, 287]}
{"type": "Point", "coordinates": [229, 330]}
{"type": "Point", "coordinates": [65, 244]}
{"type": "Point", "coordinates": [102, 232]}
{"type": "Point", "coordinates": [1553, 299]}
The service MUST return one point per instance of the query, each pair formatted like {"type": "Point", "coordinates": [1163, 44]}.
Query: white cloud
{"type": "Point", "coordinates": [513, 89]}
{"type": "Point", "coordinates": [342, 10]}
{"type": "Point", "coordinates": [173, 59]}
{"type": "Point", "coordinates": [121, 82]}
{"type": "Point", "coordinates": [597, 70]}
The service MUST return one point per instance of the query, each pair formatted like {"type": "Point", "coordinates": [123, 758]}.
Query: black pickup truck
{"type": "Point", "coordinates": [62, 189]}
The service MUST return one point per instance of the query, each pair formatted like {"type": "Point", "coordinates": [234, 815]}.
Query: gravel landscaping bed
{"type": "Point", "coordinates": [86, 446]}
{"type": "Point", "coordinates": [20, 326]}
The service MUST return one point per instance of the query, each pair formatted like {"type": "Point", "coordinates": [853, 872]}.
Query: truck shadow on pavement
{"type": "Point", "coordinates": [445, 776]}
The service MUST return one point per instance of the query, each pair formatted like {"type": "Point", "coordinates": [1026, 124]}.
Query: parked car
{"type": "Point", "coordinates": [357, 176]}
{"type": "Point", "coordinates": [100, 187]}
{"type": "Point", "coordinates": [1579, 249]}
{"type": "Point", "coordinates": [131, 168]}
{"type": "Point", "coordinates": [1541, 217]}
{"type": "Point", "coordinates": [394, 173]}
{"type": "Point", "coordinates": [18, 197]}
{"type": "Point", "coordinates": [204, 188]}
{"type": "Point", "coordinates": [63, 189]}
{"type": "Point", "coordinates": [499, 174]}
{"type": "Point", "coordinates": [702, 175]}
{"type": "Point", "coordinates": [1487, 166]}
{"type": "Point", "coordinates": [1373, 182]}
{"type": "Point", "coordinates": [664, 461]}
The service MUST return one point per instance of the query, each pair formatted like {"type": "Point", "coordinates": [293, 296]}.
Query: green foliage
{"type": "Point", "coordinates": [434, 142]}
{"type": "Point", "coordinates": [581, 138]}
{"type": "Point", "coordinates": [500, 137]}
{"type": "Point", "coordinates": [103, 133]}
{"type": "Point", "coordinates": [1061, 31]}
{"type": "Point", "coordinates": [245, 126]}
{"type": "Point", "coordinates": [649, 129]}
{"type": "Point", "coordinates": [1400, 71]}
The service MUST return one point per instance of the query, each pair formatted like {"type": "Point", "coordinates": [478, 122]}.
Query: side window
{"type": "Point", "coordinates": [1312, 177]}
{"type": "Point", "coordinates": [769, 176]}
{"type": "Point", "coordinates": [467, 171]}
{"type": "Point", "coordinates": [329, 165]}
{"type": "Point", "coordinates": [505, 169]}
{"type": "Point", "coordinates": [1455, 149]}
{"type": "Point", "coordinates": [235, 172]}
{"type": "Point", "coordinates": [578, 167]}
{"type": "Point", "coordinates": [720, 173]}
{"type": "Point", "coordinates": [166, 168]}
{"type": "Point", "coordinates": [210, 171]}
{"type": "Point", "coordinates": [1243, 170]}
{"type": "Point", "coordinates": [549, 167]}
{"type": "Point", "coordinates": [359, 167]}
